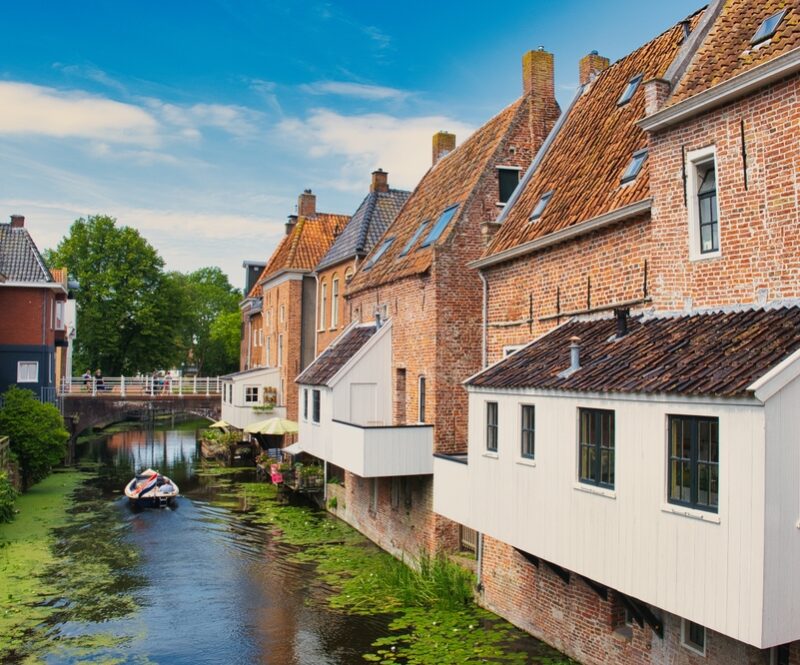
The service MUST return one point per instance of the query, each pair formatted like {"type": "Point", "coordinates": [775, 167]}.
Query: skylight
{"type": "Point", "coordinates": [634, 166]}
{"type": "Point", "coordinates": [377, 255]}
{"type": "Point", "coordinates": [541, 205]}
{"type": "Point", "coordinates": [630, 89]}
{"type": "Point", "coordinates": [768, 27]}
{"type": "Point", "coordinates": [413, 240]}
{"type": "Point", "coordinates": [441, 224]}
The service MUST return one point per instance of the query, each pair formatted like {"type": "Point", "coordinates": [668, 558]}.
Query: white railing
{"type": "Point", "coordinates": [143, 384]}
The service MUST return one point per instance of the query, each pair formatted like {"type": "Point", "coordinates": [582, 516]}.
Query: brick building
{"type": "Point", "coordinates": [640, 509]}
{"type": "Point", "coordinates": [252, 353]}
{"type": "Point", "coordinates": [401, 390]}
{"type": "Point", "coordinates": [33, 307]}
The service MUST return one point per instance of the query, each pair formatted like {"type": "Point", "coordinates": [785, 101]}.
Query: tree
{"type": "Point", "coordinates": [37, 434]}
{"type": "Point", "coordinates": [226, 331]}
{"type": "Point", "coordinates": [130, 312]}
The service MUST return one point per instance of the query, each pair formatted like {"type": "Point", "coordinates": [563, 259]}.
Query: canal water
{"type": "Point", "coordinates": [200, 583]}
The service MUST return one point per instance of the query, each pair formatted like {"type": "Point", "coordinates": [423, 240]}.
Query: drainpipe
{"type": "Point", "coordinates": [479, 563]}
{"type": "Point", "coordinates": [485, 325]}
{"type": "Point", "coordinates": [316, 310]}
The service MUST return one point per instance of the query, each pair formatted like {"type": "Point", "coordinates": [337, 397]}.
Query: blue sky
{"type": "Point", "coordinates": [199, 123]}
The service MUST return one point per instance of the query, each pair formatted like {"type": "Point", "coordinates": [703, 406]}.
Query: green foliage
{"type": "Point", "coordinates": [333, 503]}
{"type": "Point", "coordinates": [225, 333]}
{"type": "Point", "coordinates": [36, 430]}
{"type": "Point", "coordinates": [8, 496]}
{"type": "Point", "coordinates": [129, 309]}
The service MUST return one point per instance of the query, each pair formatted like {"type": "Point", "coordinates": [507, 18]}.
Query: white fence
{"type": "Point", "coordinates": [153, 386]}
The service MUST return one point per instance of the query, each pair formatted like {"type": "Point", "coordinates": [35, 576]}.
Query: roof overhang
{"type": "Point", "coordinates": [595, 223]}
{"type": "Point", "coordinates": [727, 91]}
{"type": "Point", "coordinates": [55, 286]}
{"type": "Point", "coordinates": [282, 276]}
{"type": "Point", "coordinates": [777, 378]}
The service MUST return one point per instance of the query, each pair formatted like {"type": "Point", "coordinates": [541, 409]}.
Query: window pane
{"type": "Point", "coordinates": [507, 183]}
{"type": "Point", "coordinates": [413, 239]}
{"type": "Point", "coordinates": [439, 227]}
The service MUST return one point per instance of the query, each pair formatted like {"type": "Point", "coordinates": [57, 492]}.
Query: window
{"type": "Point", "coordinates": [768, 27]}
{"type": "Point", "coordinates": [596, 446]}
{"type": "Point", "coordinates": [630, 89]}
{"type": "Point", "coordinates": [305, 403]}
{"type": "Point", "coordinates": [491, 426]}
{"type": "Point", "coordinates": [528, 428]}
{"type": "Point", "coordinates": [377, 255]}
{"type": "Point", "coordinates": [251, 394]}
{"type": "Point", "coordinates": [335, 302]}
{"type": "Point", "coordinates": [27, 372]}
{"type": "Point", "coordinates": [283, 313]}
{"type": "Point", "coordinates": [268, 359]}
{"type": "Point", "coordinates": [507, 181]}
{"type": "Point", "coordinates": [694, 462]}
{"type": "Point", "coordinates": [59, 315]}
{"type": "Point", "coordinates": [693, 636]}
{"type": "Point", "coordinates": [413, 239]}
{"type": "Point", "coordinates": [348, 275]}
{"type": "Point", "coordinates": [634, 166]}
{"type": "Point", "coordinates": [280, 351]}
{"type": "Point", "coordinates": [511, 348]}
{"type": "Point", "coordinates": [315, 397]}
{"type": "Point", "coordinates": [702, 204]}
{"type": "Point", "coordinates": [439, 227]}
{"type": "Point", "coordinates": [323, 305]}
{"type": "Point", "coordinates": [421, 399]}
{"type": "Point", "coordinates": [541, 205]}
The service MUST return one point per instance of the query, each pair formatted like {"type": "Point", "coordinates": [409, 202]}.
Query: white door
{"type": "Point", "coordinates": [364, 403]}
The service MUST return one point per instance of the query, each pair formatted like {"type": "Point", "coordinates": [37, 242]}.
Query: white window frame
{"type": "Point", "coordinates": [279, 363]}
{"type": "Point", "coordinates": [23, 373]}
{"type": "Point", "coordinates": [688, 645]}
{"type": "Point", "coordinates": [504, 167]}
{"type": "Point", "coordinates": [696, 159]}
{"type": "Point", "coordinates": [334, 303]}
{"type": "Point", "coordinates": [323, 305]}
{"type": "Point", "coordinates": [248, 388]}
{"type": "Point", "coordinates": [59, 325]}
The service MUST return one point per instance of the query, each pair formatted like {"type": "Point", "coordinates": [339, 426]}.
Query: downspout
{"type": "Point", "coordinates": [479, 564]}
{"type": "Point", "coordinates": [485, 323]}
{"type": "Point", "coordinates": [316, 310]}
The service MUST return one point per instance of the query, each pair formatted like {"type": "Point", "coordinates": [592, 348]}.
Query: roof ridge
{"type": "Point", "coordinates": [372, 200]}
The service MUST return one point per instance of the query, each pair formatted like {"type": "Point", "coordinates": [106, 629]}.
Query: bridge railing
{"type": "Point", "coordinates": [152, 386]}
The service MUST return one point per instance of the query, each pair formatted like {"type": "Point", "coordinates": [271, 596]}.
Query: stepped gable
{"type": "Point", "coordinates": [336, 356]}
{"type": "Point", "coordinates": [585, 162]}
{"type": "Point", "coordinates": [727, 50]}
{"type": "Point", "coordinates": [716, 353]}
{"type": "Point", "coordinates": [448, 182]}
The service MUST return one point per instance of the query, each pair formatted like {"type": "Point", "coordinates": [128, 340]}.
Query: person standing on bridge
{"type": "Point", "coordinates": [98, 380]}
{"type": "Point", "coordinates": [87, 380]}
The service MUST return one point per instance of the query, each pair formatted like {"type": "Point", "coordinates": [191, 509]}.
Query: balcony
{"type": "Point", "coordinates": [378, 451]}
{"type": "Point", "coordinates": [451, 493]}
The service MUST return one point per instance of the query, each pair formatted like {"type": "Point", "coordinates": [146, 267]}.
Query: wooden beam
{"type": "Point", "coordinates": [530, 558]}
{"type": "Point", "coordinates": [558, 570]}
{"type": "Point", "coordinates": [598, 588]}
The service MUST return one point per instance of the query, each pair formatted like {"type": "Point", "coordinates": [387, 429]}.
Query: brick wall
{"type": "Point", "coordinates": [328, 333]}
{"type": "Point", "coordinates": [22, 320]}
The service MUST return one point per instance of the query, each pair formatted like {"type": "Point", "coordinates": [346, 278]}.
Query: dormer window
{"type": "Point", "coordinates": [413, 240]}
{"type": "Point", "coordinates": [634, 166]}
{"type": "Point", "coordinates": [768, 27]}
{"type": "Point", "coordinates": [630, 89]}
{"type": "Point", "coordinates": [541, 205]}
{"type": "Point", "coordinates": [440, 226]}
{"type": "Point", "coordinates": [507, 181]}
{"type": "Point", "coordinates": [377, 255]}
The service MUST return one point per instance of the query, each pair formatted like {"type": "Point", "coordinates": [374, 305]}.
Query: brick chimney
{"type": "Point", "coordinates": [17, 221]}
{"type": "Point", "coordinates": [307, 204]}
{"type": "Point", "coordinates": [443, 142]}
{"type": "Point", "coordinates": [538, 85]}
{"type": "Point", "coordinates": [590, 66]}
{"type": "Point", "coordinates": [380, 181]}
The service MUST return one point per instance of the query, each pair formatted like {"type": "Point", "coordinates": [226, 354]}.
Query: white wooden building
{"type": "Point", "coordinates": [247, 396]}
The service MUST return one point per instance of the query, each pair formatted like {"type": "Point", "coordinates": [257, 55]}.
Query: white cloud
{"type": "Point", "coordinates": [38, 110]}
{"type": "Point", "coordinates": [402, 146]}
{"type": "Point", "coordinates": [357, 90]}
{"type": "Point", "coordinates": [91, 73]}
{"type": "Point", "coordinates": [238, 121]}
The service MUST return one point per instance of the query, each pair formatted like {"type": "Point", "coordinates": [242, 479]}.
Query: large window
{"type": "Point", "coordinates": [27, 372]}
{"type": "Point", "coordinates": [527, 444]}
{"type": "Point", "coordinates": [315, 397]}
{"type": "Point", "coordinates": [251, 394]}
{"type": "Point", "coordinates": [422, 397]}
{"type": "Point", "coordinates": [596, 447]}
{"type": "Point", "coordinates": [702, 204]}
{"type": "Point", "coordinates": [491, 426]}
{"type": "Point", "coordinates": [335, 302]}
{"type": "Point", "coordinates": [694, 462]}
{"type": "Point", "coordinates": [507, 181]}
{"type": "Point", "coordinates": [413, 239]}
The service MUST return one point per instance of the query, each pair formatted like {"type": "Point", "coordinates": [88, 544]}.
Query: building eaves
{"type": "Point", "coordinates": [336, 356]}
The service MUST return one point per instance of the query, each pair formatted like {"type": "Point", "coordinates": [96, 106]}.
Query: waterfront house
{"type": "Point", "coordinates": [252, 337]}
{"type": "Point", "coordinates": [630, 461]}
{"type": "Point", "coordinates": [398, 392]}
{"type": "Point", "coordinates": [334, 272]}
{"type": "Point", "coordinates": [33, 306]}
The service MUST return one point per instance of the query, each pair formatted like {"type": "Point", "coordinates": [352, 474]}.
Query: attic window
{"type": "Point", "coordinates": [439, 227]}
{"type": "Point", "coordinates": [413, 240]}
{"type": "Point", "coordinates": [541, 205]}
{"type": "Point", "coordinates": [768, 27]}
{"type": "Point", "coordinates": [630, 89]}
{"type": "Point", "coordinates": [634, 166]}
{"type": "Point", "coordinates": [507, 181]}
{"type": "Point", "coordinates": [377, 255]}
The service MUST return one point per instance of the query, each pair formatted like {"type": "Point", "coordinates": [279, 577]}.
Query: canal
{"type": "Point", "coordinates": [231, 575]}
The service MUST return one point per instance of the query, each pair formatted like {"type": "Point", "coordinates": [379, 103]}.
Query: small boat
{"type": "Point", "coordinates": [150, 488]}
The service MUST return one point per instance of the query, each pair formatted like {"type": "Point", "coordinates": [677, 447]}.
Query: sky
{"type": "Point", "coordinates": [199, 123]}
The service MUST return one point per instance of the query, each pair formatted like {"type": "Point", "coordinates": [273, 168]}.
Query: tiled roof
{"type": "Point", "coordinates": [450, 181]}
{"type": "Point", "coordinates": [586, 160]}
{"type": "Point", "coordinates": [305, 245]}
{"type": "Point", "coordinates": [20, 260]}
{"type": "Point", "coordinates": [726, 51]}
{"type": "Point", "coordinates": [376, 212]}
{"type": "Point", "coordinates": [717, 353]}
{"type": "Point", "coordinates": [332, 359]}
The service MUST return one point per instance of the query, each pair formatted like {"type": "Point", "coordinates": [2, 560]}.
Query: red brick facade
{"type": "Point", "coordinates": [27, 316]}
{"type": "Point", "coordinates": [331, 328]}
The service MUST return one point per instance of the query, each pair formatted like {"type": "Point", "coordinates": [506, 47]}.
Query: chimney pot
{"type": "Point", "coordinates": [290, 222]}
{"type": "Point", "coordinates": [17, 221]}
{"type": "Point", "coordinates": [574, 354]}
{"type": "Point", "coordinates": [443, 143]}
{"type": "Point", "coordinates": [380, 181]}
{"type": "Point", "coordinates": [590, 66]}
{"type": "Point", "coordinates": [307, 204]}
{"type": "Point", "coordinates": [622, 321]}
